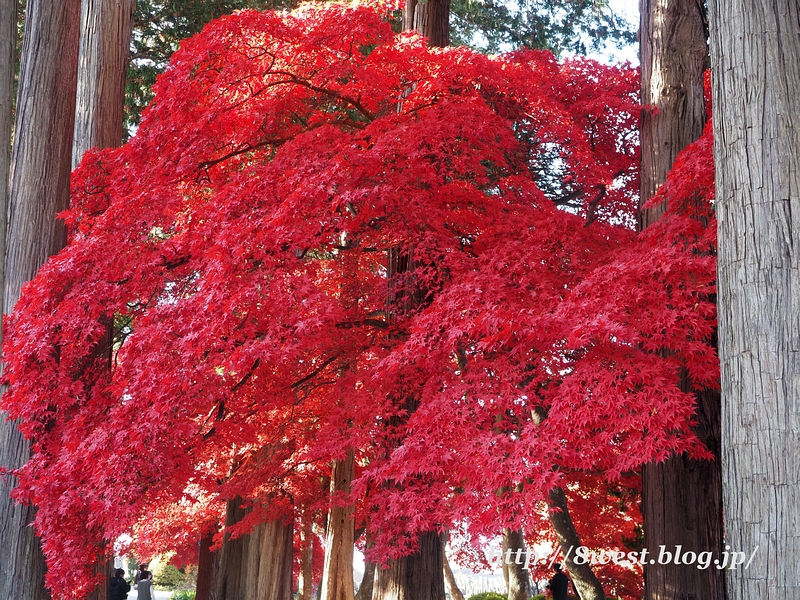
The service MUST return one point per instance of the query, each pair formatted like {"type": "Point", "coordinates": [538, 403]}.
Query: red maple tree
{"type": "Point", "coordinates": [240, 245]}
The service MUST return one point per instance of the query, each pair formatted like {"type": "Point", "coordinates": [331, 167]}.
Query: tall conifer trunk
{"type": "Point", "coordinates": [208, 565]}
{"type": "Point", "coordinates": [681, 498]}
{"type": "Point", "coordinates": [256, 566]}
{"type": "Point", "coordinates": [106, 27]}
{"type": "Point", "coordinates": [756, 67]}
{"type": "Point", "coordinates": [418, 576]}
{"type": "Point", "coordinates": [431, 18]}
{"type": "Point", "coordinates": [8, 38]}
{"type": "Point", "coordinates": [337, 579]}
{"type": "Point", "coordinates": [40, 170]}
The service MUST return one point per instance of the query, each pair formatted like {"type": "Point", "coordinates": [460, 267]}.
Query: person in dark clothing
{"type": "Point", "coordinates": [559, 584]}
{"type": "Point", "coordinates": [118, 588]}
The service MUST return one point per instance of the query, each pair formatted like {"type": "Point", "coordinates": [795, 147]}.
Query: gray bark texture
{"type": "Point", "coordinates": [257, 566]}
{"type": "Point", "coordinates": [430, 18]}
{"type": "Point", "coordinates": [518, 583]}
{"type": "Point", "coordinates": [755, 49]}
{"type": "Point", "coordinates": [106, 27]}
{"type": "Point", "coordinates": [8, 37]}
{"type": "Point", "coordinates": [337, 577]}
{"type": "Point", "coordinates": [681, 498]}
{"type": "Point", "coordinates": [105, 34]}
{"type": "Point", "coordinates": [583, 578]}
{"type": "Point", "coordinates": [419, 576]}
{"type": "Point", "coordinates": [673, 56]}
{"type": "Point", "coordinates": [39, 189]}
{"type": "Point", "coordinates": [367, 582]}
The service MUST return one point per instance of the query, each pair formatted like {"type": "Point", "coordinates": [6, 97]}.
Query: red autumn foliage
{"type": "Point", "coordinates": [238, 245]}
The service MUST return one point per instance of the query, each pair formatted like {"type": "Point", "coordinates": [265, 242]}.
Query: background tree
{"type": "Point", "coordinates": [576, 26]}
{"type": "Point", "coordinates": [755, 51]}
{"type": "Point", "coordinates": [103, 63]}
{"type": "Point", "coordinates": [39, 189]}
{"type": "Point", "coordinates": [8, 35]}
{"type": "Point", "coordinates": [681, 498]}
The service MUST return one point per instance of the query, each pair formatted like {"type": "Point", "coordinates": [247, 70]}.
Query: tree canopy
{"type": "Point", "coordinates": [326, 236]}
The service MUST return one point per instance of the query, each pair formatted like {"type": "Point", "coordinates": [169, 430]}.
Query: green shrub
{"type": "Point", "coordinates": [488, 596]}
{"type": "Point", "coordinates": [167, 576]}
{"type": "Point", "coordinates": [183, 595]}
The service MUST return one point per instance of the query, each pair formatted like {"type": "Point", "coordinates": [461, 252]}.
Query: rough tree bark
{"type": "Point", "coordinates": [102, 64]}
{"type": "Point", "coordinates": [208, 565]}
{"type": "Point", "coordinates": [367, 582]}
{"type": "Point", "coordinates": [419, 576]}
{"type": "Point", "coordinates": [8, 37]}
{"type": "Point", "coordinates": [518, 583]}
{"type": "Point", "coordinates": [584, 580]}
{"type": "Point", "coordinates": [337, 577]}
{"type": "Point", "coordinates": [257, 565]}
{"type": "Point", "coordinates": [39, 189]}
{"type": "Point", "coordinates": [449, 577]}
{"type": "Point", "coordinates": [755, 49]}
{"type": "Point", "coordinates": [681, 498]}
{"type": "Point", "coordinates": [431, 18]}
{"type": "Point", "coordinates": [106, 27]}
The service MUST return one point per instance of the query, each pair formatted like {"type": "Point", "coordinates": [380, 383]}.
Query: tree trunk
{"type": "Point", "coordinates": [8, 38]}
{"type": "Point", "coordinates": [268, 568]}
{"type": "Point", "coordinates": [208, 565]}
{"type": "Point", "coordinates": [40, 169]}
{"type": "Point", "coordinates": [449, 578]}
{"type": "Point", "coordinates": [100, 100]}
{"type": "Point", "coordinates": [674, 56]}
{"type": "Point", "coordinates": [257, 566]}
{"type": "Point", "coordinates": [337, 578]}
{"type": "Point", "coordinates": [681, 498]}
{"type": "Point", "coordinates": [101, 591]}
{"type": "Point", "coordinates": [756, 61]}
{"type": "Point", "coordinates": [584, 580]}
{"type": "Point", "coordinates": [106, 27]}
{"type": "Point", "coordinates": [419, 576]}
{"type": "Point", "coordinates": [367, 582]}
{"type": "Point", "coordinates": [518, 583]}
{"type": "Point", "coordinates": [305, 581]}
{"type": "Point", "coordinates": [430, 18]}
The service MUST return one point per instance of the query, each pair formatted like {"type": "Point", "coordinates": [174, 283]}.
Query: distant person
{"type": "Point", "coordinates": [142, 569]}
{"type": "Point", "coordinates": [118, 588]}
{"type": "Point", "coordinates": [144, 589]}
{"type": "Point", "coordinates": [559, 584]}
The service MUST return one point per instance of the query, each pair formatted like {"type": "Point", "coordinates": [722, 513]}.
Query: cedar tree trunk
{"type": "Point", "coordinates": [756, 66]}
{"type": "Point", "coordinates": [367, 582]}
{"type": "Point", "coordinates": [106, 27]}
{"type": "Point", "coordinates": [337, 578]}
{"type": "Point", "coordinates": [430, 18]}
{"type": "Point", "coordinates": [681, 498]}
{"type": "Point", "coordinates": [257, 566]}
{"type": "Point", "coordinates": [518, 583]}
{"type": "Point", "coordinates": [418, 576]}
{"type": "Point", "coordinates": [8, 37]}
{"type": "Point", "coordinates": [40, 169]}
{"type": "Point", "coordinates": [584, 580]}
{"type": "Point", "coordinates": [102, 65]}
{"type": "Point", "coordinates": [208, 565]}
